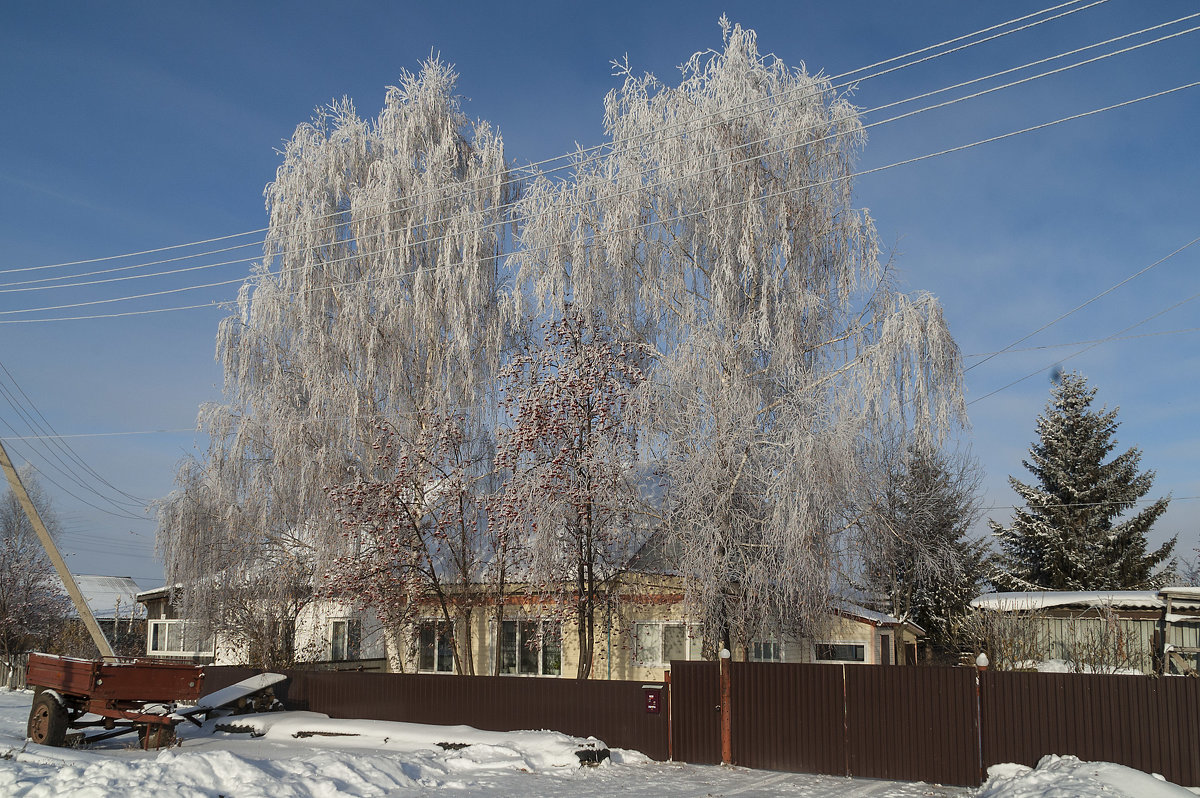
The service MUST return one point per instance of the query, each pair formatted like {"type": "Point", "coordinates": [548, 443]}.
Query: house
{"type": "Point", "coordinates": [172, 637]}
{"type": "Point", "coordinates": [640, 627]}
{"type": "Point", "coordinates": [328, 633]}
{"type": "Point", "coordinates": [113, 602]}
{"type": "Point", "coordinates": [1109, 631]}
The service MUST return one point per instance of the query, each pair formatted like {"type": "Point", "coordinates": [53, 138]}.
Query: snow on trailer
{"type": "Point", "coordinates": [125, 697]}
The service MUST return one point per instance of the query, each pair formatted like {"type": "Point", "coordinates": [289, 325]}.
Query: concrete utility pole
{"type": "Point", "coordinates": [60, 565]}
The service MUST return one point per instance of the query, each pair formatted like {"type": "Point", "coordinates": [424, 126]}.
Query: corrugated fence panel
{"type": "Point", "coordinates": [1152, 724]}
{"type": "Point", "coordinates": [789, 717]}
{"type": "Point", "coordinates": [695, 715]}
{"type": "Point", "coordinates": [915, 724]}
{"type": "Point", "coordinates": [613, 711]}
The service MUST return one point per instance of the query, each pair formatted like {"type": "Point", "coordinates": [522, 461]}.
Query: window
{"type": "Point", "coordinates": [345, 640]}
{"type": "Point", "coordinates": [531, 648]}
{"type": "Point", "coordinates": [840, 652]}
{"type": "Point", "coordinates": [765, 651]}
{"type": "Point", "coordinates": [656, 644]}
{"type": "Point", "coordinates": [435, 647]}
{"type": "Point", "coordinates": [177, 637]}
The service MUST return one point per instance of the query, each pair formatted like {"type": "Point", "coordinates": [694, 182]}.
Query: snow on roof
{"type": "Point", "coordinates": [870, 616]}
{"type": "Point", "coordinates": [1045, 599]}
{"type": "Point", "coordinates": [106, 594]}
{"type": "Point", "coordinates": [1181, 592]}
{"type": "Point", "coordinates": [156, 592]}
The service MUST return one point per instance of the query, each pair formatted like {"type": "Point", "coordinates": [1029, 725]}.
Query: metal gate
{"type": "Point", "coordinates": [695, 712]}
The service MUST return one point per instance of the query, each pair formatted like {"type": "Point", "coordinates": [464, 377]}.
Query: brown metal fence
{"type": "Point", "coordinates": [1152, 724]}
{"type": "Point", "coordinates": [788, 717]}
{"type": "Point", "coordinates": [917, 723]}
{"type": "Point", "coordinates": [895, 723]}
{"type": "Point", "coordinates": [613, 711]}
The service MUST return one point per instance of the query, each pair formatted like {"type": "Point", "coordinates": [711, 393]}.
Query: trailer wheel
{"type": "Point", "coordinates": [47, 721]}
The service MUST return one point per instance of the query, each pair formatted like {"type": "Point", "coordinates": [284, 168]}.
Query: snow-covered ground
{"type": "Point", "coordinates": [307, 755]}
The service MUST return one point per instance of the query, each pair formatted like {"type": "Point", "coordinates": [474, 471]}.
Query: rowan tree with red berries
{"type": "Point", "coordinates": [572, 491]}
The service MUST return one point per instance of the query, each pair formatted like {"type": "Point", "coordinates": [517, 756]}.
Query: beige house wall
{"type": "Point", "coordinates": [630, 633]}
{"type": "Point", "coordinates": [636, 635]}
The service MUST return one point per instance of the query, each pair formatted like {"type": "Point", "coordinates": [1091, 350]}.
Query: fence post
{"type": "Point", "coordinates": [670, 718]}
{"type": "Point", "coordinates": [981, 665]}
{"type": "Point", "coordinates": [726, 710]}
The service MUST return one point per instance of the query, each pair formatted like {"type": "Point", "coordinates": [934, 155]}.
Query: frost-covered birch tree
{"type": "Point", "coordinates": [718, 227]}
{"type": "Point", "coordinates": [375, 302]}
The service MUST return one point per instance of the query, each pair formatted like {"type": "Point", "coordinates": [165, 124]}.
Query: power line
{"type": "Point", "coordinates": [1079, 307]}
{"type": "Point", "coordinates": [59, 444]}
{"type": "Point", "coordinates": [54, 462]}
{"type": "Point", "coordinates": [80, 499]}
{"type": "Point", "coordinates": [679, 217]}
{"type": "Point", "coordinates": [1093, 342]}
{"type": "Point", "coordinates": [1091, 504]}
{"type": "Point", "coordinates": [530, 168]}
{"type": "Point", "coordinates": [1042, 370]}
{"type": "Point", "coordinates": [100, 434]}
{"type": "Point", "coordinates": [115, 269]}
{"type": "Point", "coordinates": [1042, 126]}
{"type": "Point", "coordinates": [28, 285]}
{"type": "Point", "coordinates": [1108, 339]}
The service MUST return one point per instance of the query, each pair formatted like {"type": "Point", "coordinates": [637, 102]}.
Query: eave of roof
{"type": "Point", "coordinates": [1116, 599]}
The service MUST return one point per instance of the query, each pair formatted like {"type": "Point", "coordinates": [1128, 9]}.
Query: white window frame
{"type": "Point", "coordinates": [521, 641]}
{"type": "Point", "coordinates": [758, 657]}
{"type": "Point", "coordinates": [347, 654]}
{"type": "Point", "coordinates": [858, 643]}
{"type": "Point", "coordinates": [438, 625]}
{"type": "Point", "coordinates": [691, 643]}
{"type": "Point", "coordinates": [169, 630]}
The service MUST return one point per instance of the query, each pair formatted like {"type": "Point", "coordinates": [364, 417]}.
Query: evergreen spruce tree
{"type": "Point", "coordinates": [1068, 537]}
{"type": "Point", "coordinates": [919, 555]}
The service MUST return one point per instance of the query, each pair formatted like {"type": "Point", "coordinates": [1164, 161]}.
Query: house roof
{"type": "Point", "coordinates": [108, 595]}
{"type": "Point", "coordinates": [657, 555]}
{"type": "Point", "coordinates": [156, 592]}
{"type": "Point", "coordinates": [851, 610]}
{"type": "Point", "coordinates": [1117, 599]}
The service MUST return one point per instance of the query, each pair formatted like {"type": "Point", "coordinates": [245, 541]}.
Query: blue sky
{"type": "Point", "coordinates": [134, 126]}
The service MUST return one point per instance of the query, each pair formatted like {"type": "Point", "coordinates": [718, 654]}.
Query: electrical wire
{"type": "Point", "coordinates": [56, 463]}
{"type": "Point", "coordinates": [55, 483]}
{"type": "Point", "coordinates": [1083, 305]}
{"type": "Point", "coordinates": [100, 434]}
{"type": "Point", "coordinates": [1115, 335]}
{"type": "Point", "coordinates": [677, 218]}
{"type": "Point", "coordinates": [1081, 343]}
{"type": "Point", "coordinates": [26, 286]}
{"type": "Point", "coordinates": [1091, 504]}
{"type": "Point", "coordinates": [532, 168]}
{"type": "Point", "coordinates": [9, 286]}
{"type": "Point", "coordinates": [58, 443]}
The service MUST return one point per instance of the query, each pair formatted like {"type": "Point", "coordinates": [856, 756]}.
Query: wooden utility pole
{"type": "Point", "coordinates": [60, 565]}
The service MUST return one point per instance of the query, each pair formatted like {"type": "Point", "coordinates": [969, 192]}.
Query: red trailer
{"type": "Point", "coordinates": [129, 696]}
